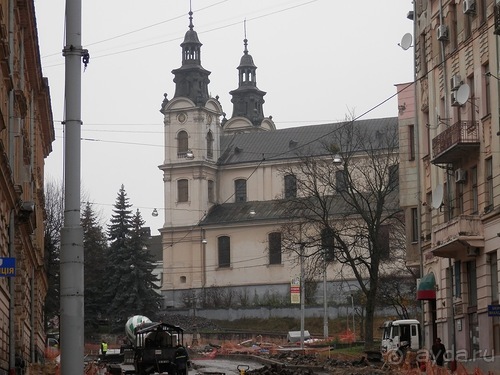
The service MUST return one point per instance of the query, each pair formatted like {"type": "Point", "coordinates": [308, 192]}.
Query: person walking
{"type": "Point", "coordinates": [104, 348]}
{"type": "Point", "coordinates": [438, 351]}
{"type": "Point", "coordinates": [181, 359]}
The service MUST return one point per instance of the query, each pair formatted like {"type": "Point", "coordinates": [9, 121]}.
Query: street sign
{"type": "Point", "coordinates": [295, 290]}
{"type": "Point", "coordinates": [7, 267]}
{"type": "Point", "coordinates": [493, 310]}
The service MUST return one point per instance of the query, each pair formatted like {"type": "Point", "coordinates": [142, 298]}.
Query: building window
{"type": "Point", "coordinates": [481, 10]}
{"type": "Point", "coordinates": [182, 144]}
{"type": "Point", "coordinates": [467, 26]}
{"type": "Point", "coordinates": [383, 241]}
{"type": "Point", "coordinates": [486, 102]}
{"type": "Point", "coordinates": [460, 197]}
{"type": "Point", "coordinates": [411, 142]}
{"type": "Point", "coordinates": [494, 277]}
{"type": "Point", "coordinates": [274, 248]}
{"type": "Point", "coordinates": [472, 283]}
{"type": "Point", "coordinates": [489, 185]}
{"type": "Point", "coordinates": [210, 145]}
{"type": "Point", "coordinates": [240, 190]}
{"type": "Point", "coordinates": [182, 279]}
{"type": "Point", "coordinates": [328, 244]}
{"type": "Point", "coordinates": [182, 190]}
{"type": "Point", "coordinates": [414, 225]}
{"type": "Point", "coordinates": [211, 191]}
{"type": "Point", "coordinates": [457, 274]}
{"type": "Point", "coordinates": [394, 175]}
{"type": "Point", "coordinates": [474, 190]}
{"type": "Point", "coordinates": [341, 180]}
{"type": "Point", "coordinates": [290, 186]}
{"type": "Point", "coordinates": [224, 251]}
{"type": "Point", "coordinates": [453, 27]}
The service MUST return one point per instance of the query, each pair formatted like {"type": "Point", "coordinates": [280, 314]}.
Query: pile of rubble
{"type": "Point", "coordinates": [189, 323]}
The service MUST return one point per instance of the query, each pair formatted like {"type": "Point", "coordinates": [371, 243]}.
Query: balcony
{"type": "Point", "coordinates": [458, 237]}
{"type": "Point", "coordinates": [456, 141]}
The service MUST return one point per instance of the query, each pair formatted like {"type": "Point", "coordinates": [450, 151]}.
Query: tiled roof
{"type": "Point", "coordinates": [279, 210]}
{"type": "Point", "coordinates": [288, 143]}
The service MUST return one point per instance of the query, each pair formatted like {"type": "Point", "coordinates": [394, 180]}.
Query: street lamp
{"type": "Point", "coordinates": [353, 322]}
{"type": "Point", "coordinates": [325, 302]}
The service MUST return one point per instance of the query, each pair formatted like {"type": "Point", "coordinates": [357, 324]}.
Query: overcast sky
{"type": "Point", "coordinates": [318, 60]}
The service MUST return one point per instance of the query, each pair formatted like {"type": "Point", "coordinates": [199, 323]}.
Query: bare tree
{"type": "Point", "coordinates": [347, 205]}
{"type": "Point", "coordinates": [53, 223]}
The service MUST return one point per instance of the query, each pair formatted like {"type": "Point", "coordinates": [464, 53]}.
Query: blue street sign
{"type": "Point", "coordinates": [493, 310]}
{"type": "Point", "coordinates": [7, 267]}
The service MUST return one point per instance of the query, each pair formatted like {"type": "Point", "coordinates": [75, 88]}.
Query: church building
{"type": "Point", "coordinates": [227, 182]}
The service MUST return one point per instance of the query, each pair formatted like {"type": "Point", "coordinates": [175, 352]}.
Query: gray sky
{"type": "Point", "coordinates": [317, 60]}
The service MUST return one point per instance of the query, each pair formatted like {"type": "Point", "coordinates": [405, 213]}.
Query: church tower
{"type": "Point", "coordinates": [191, 134]}
{"type": "Point", "coordinates": [247, 99]}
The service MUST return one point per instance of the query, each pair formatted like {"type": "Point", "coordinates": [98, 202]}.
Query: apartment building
{"type": "Point", "coordinates": [227, 184]}
{"type": "Point", "coordinates": [450, 173]}
{"type": "Point", "coordinates": [26, 136]}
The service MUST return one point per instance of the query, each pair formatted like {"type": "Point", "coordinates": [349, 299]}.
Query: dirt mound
{"type": "Point", "coordinates": [189, 323]}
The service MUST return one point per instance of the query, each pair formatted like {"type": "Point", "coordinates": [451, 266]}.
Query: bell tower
{"type": "Point", "coordinates": [191, 148]}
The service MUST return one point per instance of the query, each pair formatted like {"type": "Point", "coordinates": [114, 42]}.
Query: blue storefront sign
{"type": "Point", "coordinates": [7, 267]}
{"type": "Point", "coordinates": [493, 310]}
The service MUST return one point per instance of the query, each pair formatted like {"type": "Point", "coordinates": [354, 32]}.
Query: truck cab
{"type": "Point", "coordinates": [154, 349]}
{"type": "Point", "coordinates": [401, 335]}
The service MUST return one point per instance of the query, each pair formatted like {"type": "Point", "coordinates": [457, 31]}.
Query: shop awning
{"type": "Point", "coordinates": [427, 287]}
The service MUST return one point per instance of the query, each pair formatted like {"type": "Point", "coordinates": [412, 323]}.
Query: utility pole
{"type": "Point", "coordinates": [71, 257]}
{"type": "Point", "coordinates": [325, 302]}
{"type": "Point", "coordinates": [302, 297]}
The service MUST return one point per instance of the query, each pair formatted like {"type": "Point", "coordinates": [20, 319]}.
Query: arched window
{"type": "Point", "coordinates": [290, 186]}
{"type": "Point", "coordinates": [182, 144]}
{"type": "Point", "coordinates": [328, 244]}
{"type": "Point", "coordinates": [182, 190]}
{"type": "Point", "coordinates": [210, 145]}
{"type": "Point", "coordinates": [240, 190]}
{"type": "Point", "coordinates": [224, 251]}
{"type": "Point", "coordinates": [274, 248]}
{"type": "Point", "coordinates": [211, 191]}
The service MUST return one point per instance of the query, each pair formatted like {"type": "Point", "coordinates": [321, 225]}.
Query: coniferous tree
{"type": "Point", "coordinates": [130, 281]}
{"type": "Point", "coordinates": [118, 259]}
{"type": "Point", "coordinates": [144, 297]}
{"type": "Point", "coordinates": [95, 248]}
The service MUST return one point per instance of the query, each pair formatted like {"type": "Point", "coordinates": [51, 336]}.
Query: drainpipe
{"type": "Point", "coordinates": [32, 320]}
{"type": "Point", "coordinates": [12, 341]}
{"type": "Point", "coordinates": [419, 178]}
{"type": "Point", "coordinates": [11, 125]}
{"type": "Point", "coordinates": [453, 336]}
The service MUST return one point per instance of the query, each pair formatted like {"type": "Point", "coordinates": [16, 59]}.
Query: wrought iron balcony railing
{"type": "Point", "coordinates": [455, 141]}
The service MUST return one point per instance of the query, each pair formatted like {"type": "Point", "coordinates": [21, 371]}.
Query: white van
{"type": "Point", "coordinates": [402, 335]}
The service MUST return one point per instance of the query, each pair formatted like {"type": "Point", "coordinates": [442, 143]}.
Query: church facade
{"type": "Point", "coordinates": [227, 182]}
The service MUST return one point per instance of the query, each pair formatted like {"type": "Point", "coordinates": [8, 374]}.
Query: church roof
{"type": "Point", "coordinates": [290, 142]}
{"type": "Point", "coordinates": [277, 210]}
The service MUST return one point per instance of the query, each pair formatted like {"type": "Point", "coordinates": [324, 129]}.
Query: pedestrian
{"type": "Point", "coordinates": [181, 359]}
{"type": "Point", "coordinates": [438, 351]}
{"type": "Point", "coordinates": [104, 348]}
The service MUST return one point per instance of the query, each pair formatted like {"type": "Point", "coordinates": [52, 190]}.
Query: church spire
{"type": "Point", "coordinates": [247, 99]}
{"type": "Point", "coordinates": [191, 78]}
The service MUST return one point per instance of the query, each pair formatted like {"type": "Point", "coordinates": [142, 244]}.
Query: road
{"type": "Point", "coordinates": [222, 366]}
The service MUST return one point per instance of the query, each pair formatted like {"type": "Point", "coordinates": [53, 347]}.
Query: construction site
{"type": "Point", "coordinates": [243, 353]}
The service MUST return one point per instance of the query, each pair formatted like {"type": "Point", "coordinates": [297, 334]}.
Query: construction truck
{"type": "Point", "coordinates": [154, 347]}
{"type": "Point", "coordinates": [399, 336]}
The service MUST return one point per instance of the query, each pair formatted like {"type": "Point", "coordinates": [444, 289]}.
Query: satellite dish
{"type": "Point", "coordinates": [437, 196]}
{"type": "Point", "coordinates": [463, 94]}
{"type": "Point", "coordinates": [406, 41]}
